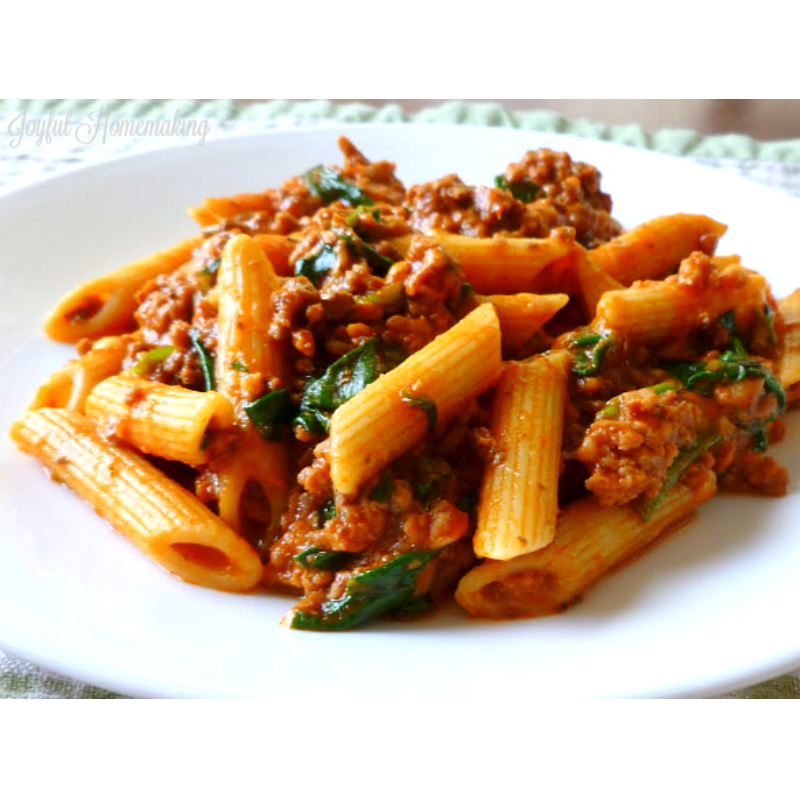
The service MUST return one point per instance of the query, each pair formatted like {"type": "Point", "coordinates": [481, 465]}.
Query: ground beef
{"type": "Point", "coordinates": [629, 454]}
{"type": "Point", "coordinates": [570, 196]}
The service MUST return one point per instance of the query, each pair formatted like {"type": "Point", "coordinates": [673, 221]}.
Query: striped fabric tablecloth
{"type": "Point", "coordinates": [33, 146]}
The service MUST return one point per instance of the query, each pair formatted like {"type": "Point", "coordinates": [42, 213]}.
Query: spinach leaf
{"type": "Point", "coordinates": [588, 350]}
{"type": "Point", "coordinates": [383, 490]}
{"type": "Point", "coordinates": [206, 360]}
{"type": "Point", "coordinates": [325, 512]}
{"type": "Point", "coordinates": [368, 595]}
{"type": "Point", "coordinates": [151, 358]}
{"type": "Point", "coordinates": [317, 265]}
{"type": "Point", "coordinates": [342, 380]}
{"type": "Point", "coordinates": [379, 264]}
{"type": "Point", "coordinates": [525, 191]}
{"type": "Point", "coordinates": [424, 404]}
{"type": "Point", "coordinates": [314, 558]}
{"type": "Point", "coordinates": [271, 414]}
{"type": "Point", "coordinates": [685, 458]}
{"type": "Point", "coordinates": [331, 186]}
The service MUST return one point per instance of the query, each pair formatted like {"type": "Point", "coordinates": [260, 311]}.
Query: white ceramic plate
{"type": "Point", "coordinates": [712, 609]}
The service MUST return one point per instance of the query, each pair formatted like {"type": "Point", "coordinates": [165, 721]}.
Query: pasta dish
{"type": "Point", "coordinates": [375, 397]}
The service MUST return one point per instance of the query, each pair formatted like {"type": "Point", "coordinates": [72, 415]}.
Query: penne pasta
{"type": "Point", "coordinates": [104, 306]}
{"type": "Point", "coordinates": [247, 363]}
{"type": "Point", "coordinates": [503, 265]}
{"type": "Point", "coordinates": [69, 386]}
{"type": "Point", "coordinates": [656, 312]}
{"type": "Point", "coordinates": [589, 541]}
{"type": "Point", "coordinates": [650, 250]}
{"type": "Point", "coordinates": [519, 496]}
{"type": "Point", "coordinates": [160, 517]}
{"type": "Point", "coordinates": [165, 421]}
{"type": "Point", "coordinates": [593, 283]}
{"type": "Point", "coordinates": [522, 315]}
{"type": "Point", "coordinates": [397, 410]}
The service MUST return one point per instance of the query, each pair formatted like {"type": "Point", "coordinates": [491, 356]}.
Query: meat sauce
{"type": "Point", "coordinates": [629, 417]}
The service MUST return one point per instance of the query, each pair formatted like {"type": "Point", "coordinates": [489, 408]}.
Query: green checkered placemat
{"type": "Point", "coordinates": [31, 157]}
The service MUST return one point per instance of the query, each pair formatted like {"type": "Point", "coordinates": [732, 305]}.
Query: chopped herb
{"type": "Point", "coordinates": [237, 365]}
{"type": "Point", "coordinates": [588, 351]}
{"type": "Point", "coordinates": [316, 266]}
{"type": "Point", "coordinates": [685, 458]}
{"type": "Point", "coordinates": [383, 490]}
{"type": "Point", "coordinates": [424, 404]}
{"type": "Point", "coordinates": [760, 440]}
{"type": "Point", "coordinates": [205, 440]}
{"type": "Point", "coordinates": [769, 318]}
{"type": "Point", "coordinates": [211, 267]}
{"type": "Point", "coordinates": [379, 264]}
{"type": "Point", "coordinates": [271, 414]}
{"type": "Point", "coordinates": [206, 361]}
{"type": "Point", "coordinates": [665, 386]}
{"type": "Point", "coordinates": [314, 558]}
{"type": "Point", "coordinates": [525, 191]}
{"type": "Point", "coordinates": [331, 186]}
{"type": "Point", "coordinates": [368, 595]}
{"type": "Point", "coordinates": [151, 358]}
{"type": "Point", "coordinates": [326, 512]}
{"type": "Point", "coordinates": [343, 379]}
{"type": "Point", "coordinates": [609, 411]}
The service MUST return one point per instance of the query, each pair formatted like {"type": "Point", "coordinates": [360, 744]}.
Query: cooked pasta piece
{"type": "Point", "coordinates": [502, 265]}
{"type": "Point", "coordinates": [104, 306]}
{"type": "Point", "coordinates": [422, 394]}
{"type": "Point", "coordinates": [277, 249]}
{"type": "Point", "coordinates": [248, 363]}
{"type": "Point", "coordinates": [159, 516]}
{"type": "Point", "coordinates": [650, 250]}
{"type": "Point", "coordinates": [654, 312]}
{"type": "Point", "coordinates": [519, 496]}
{"type": "Point", "coordinates": [160, 420]}
{"type": "Point", "coordinates": [590, 540]}
{"type": "Point", "coordinates": [218, 209]}
{"type": "Point", "coordinates": [593, 283]}
{"type": "Point", "coordinates": [789, 363]}
{"type": "Point", "coordinates": [522, 315]}
{"type": "Point", "coordinates": [69, 386]}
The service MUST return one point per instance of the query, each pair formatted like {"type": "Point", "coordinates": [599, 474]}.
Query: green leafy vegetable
{"type": "Point", "coordinates": [379, 264]}
{"type": "Point", "coordinates": [271, 414]}
{"type": "Point", "coordinates": [368, 595]}
{"type": "Point", "coordinates": [525, 191]}
{"type": "Point", "coordinates": [151, 358]}
{"type": "Point", "coordinates": [239, 367]}
{"type": "Point", "coordinates": [325, 512]}
{"type": "Point", "coordinates": [588, 351]}
{"type": "Point", "coordinates": [342, 380]}
{"type": "Point", "coordinates": [685, 458]}
{"type": "Point", "coordinates": [383, 490]}
{"type": "Point", "coordinates": [314, 558]}
{"type": "Point", "coordinates": [317, 265]}
{"type": "Point", "coordinates": [206, 361]}
{"type": "Point", "coordinates": [331, 186]}
{"type": "Point", "coordinates": [424, 404]}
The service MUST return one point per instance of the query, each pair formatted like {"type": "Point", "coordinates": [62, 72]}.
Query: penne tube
{"type": "Point", "coordinates": [245, 283]}
{"type": "Point", "coordinates": [590, 540]}
{"type": "Point", "coordinates": [519, 495]}
{"type": "Point", "coordinates": [789, 308]}
{"type": "Point", "coordinates": [252, 486]}
{"type": "Point", "coordinates": [502, 265]}
{"type": "Point", "coordinates": [650, 250]}
{"type": "Point", "coordinates": [159, 516]}
{"type": "Point", "coordinates": [277, 249]}
{"type": "Point", "coordinates": [104, 306]}
{"type": "Point", "coordinates": [789, 364]}
{"type": "Point", "coordinates": [421, 395]}
{"type": "Point", "coordinates": [69, 386]}
{"type": "Point", "coordinates": [593, 283]}
{"type": "Point", "coordinates": [203, 217]}
{"type": "Point", "coordinates": [658, 312]}
{"type": "Point", "coordinates": [522, 315]}
{"type": "Point", "coordinates": [244, 203]}
{"type": "Point", "coordinates": [160, 420]}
